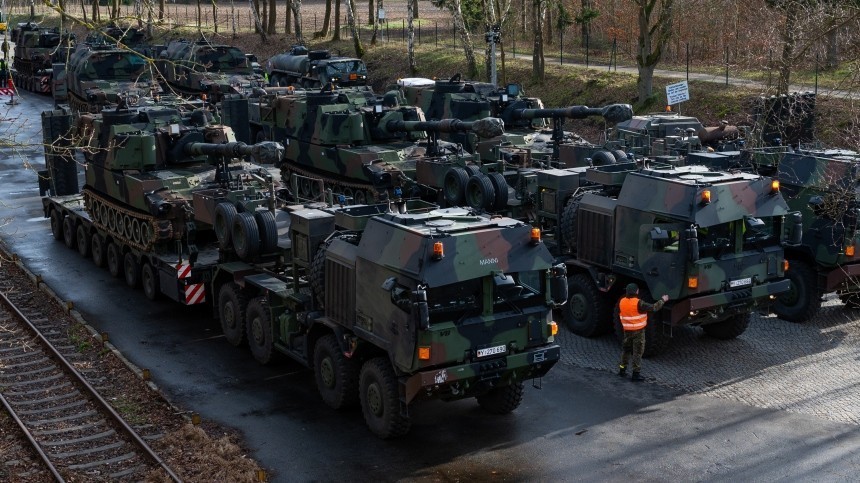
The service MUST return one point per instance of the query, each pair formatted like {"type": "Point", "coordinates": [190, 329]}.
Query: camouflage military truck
{"type": "Point", "coordinates": [205, 69]}
{"type": "Point", "coordinates": [153, 178]}
{"type": "Point", "coordinates": [350, 142]}
{"type": "Point", "coordinates": [299, 67]}
{"type": "Point", "coordinates": [36, 50]}
{"type": "Point", "coordinates": [712, 241]}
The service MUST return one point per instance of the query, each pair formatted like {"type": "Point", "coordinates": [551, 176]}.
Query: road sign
{"type": "Point", "coordinates": [677, 93]}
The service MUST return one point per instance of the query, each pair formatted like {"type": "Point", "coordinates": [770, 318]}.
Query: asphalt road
{"type": "Point", "coordinates": [584, 424]}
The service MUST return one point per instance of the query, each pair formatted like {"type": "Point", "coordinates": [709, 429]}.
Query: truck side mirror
{"type": "Point", "coordinates": [795, 228]}
{"type": "Point", "coordinates": [692, 236]}
{"type": "Point", "coordinates": [421, 311]}
{"type": "Point", "coordinates": [558, 284]}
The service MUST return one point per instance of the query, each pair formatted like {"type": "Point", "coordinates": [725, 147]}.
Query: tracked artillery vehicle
{"type": "Point", "coordinates": [36, 50]}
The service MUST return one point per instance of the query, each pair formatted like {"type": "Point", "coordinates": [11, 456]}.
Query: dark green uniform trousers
{"type": "Point", "coordinates": [632, 348]}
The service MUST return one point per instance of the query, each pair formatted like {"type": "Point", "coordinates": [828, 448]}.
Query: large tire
{"type": "Point", "coordinates": [803, 300]}
{"type": "Point", "coordinates": [568, 221]}
{"type": "Point", "coordinates": [480, 194]}
{"type": "Point", "coordinates": [149, 281]}
{"type": "Point", "coordinates": [225, 212]}
{"type": "Point", "coordinates": [502, 400]}
{"type": "Point", "coordinates": [232, 306]}
{"type": "Point", "coordinates": [260, 331]}
{"type": "Point", "coordinates": [472, 169]}
{"type": "Point", "coordinates": [268, 231]}
{"type": "Point", "coordinates": [586, 313]}
{"type": "Point", "coordinates": [114, 260]}
{"type": "Point", "coordinates": [57, 225]}
{"type": "Point", "coordinates": [656, 342]}
{"type": "Point", "coordinates": [454, 186]}
{"type": "Point", "coordinates": [380, 399]}
{"type": "Point", "coordinates": [501, 188]}
{"type": "Point", "coordinates": [317, 276]}
{"type": "Point", "coordinates": [131, 270]}
{"type": "Point", "coordinates": [246, 237]}
{"type": "Point", "coordinates": [69, 232]}
{"type": "Point", "coordinates": [97, 250]}
{"type": "Point", "coordinates": [730, 328]}
{"type": "Point", "coordinates": [602, 158]}
{"type": "Point", "coordinates": [336, 375]}
{"type": "Point", "coordinates": [83, 240]}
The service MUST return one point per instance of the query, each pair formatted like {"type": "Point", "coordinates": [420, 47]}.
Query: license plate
{"type": "Point", "coordinates": [491, 351]}
{"type": "Point", "coordinates": [740, 282]}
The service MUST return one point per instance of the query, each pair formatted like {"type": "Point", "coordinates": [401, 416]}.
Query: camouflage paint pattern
{"type": "Point", "coordinates": [300, 68]}
{"type": "Point", "coordinates": [36, 50]}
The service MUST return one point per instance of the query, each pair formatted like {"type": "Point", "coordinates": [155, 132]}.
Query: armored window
{"type": "Point", "coordinates": [717, 240]}
{"type": "Point", "coordinates": [758, 232]}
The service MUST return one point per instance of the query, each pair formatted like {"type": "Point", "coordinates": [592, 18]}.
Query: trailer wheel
{"type": "Point", "coordinates": [586, 312]}
{"type": "Point", "coordinates": [502, 400]}
{"type": "Point", "coordinates": [69, 231]}
{"type": "Point", "coordinates": [258, 321]}
{"type": "Point", "coordinates": [380, 399]}
{"type": "Point", "coordinates": [728, 329]}
{"type": "Point", "coordinates": [97, 249]}
{"type": "Point", "coordinates": [454, 186]}
{"type": "Point", "coordinates": [480, 194]}
{"type": "Point", "coordinates": [568, 221]}
{"type": "Point", "coordinates": [336, 374]}
{"type": "Point", "coordinates": [500, 186]}
{"type": "Point", "coordinates": [114, 262]}
{"type": "Point", "coordinates": [149, 280]}
{"type": "Point", "coordinates": [246, 237]}
{"type": "Point", "coordinates": [602, 158]}
{"type": "Point", "coordinates": [225, 212]}
{"type": "Point", "coordinates": [83, 241]}
{"type": "Point", "coordinates": [656, 342]}
{"type": "Point", "coordinates": [131, 270]}
{"type": "Point", "coordinates": [268, 229]}
{"type": "Point", "coordinates": [57, 225]}
{"type": "Point", "coordinates": [317, 276]}
{"type": "Point", "coordinates": [803, 299]}
{"type": "Point", "coordinates": [232, 305]}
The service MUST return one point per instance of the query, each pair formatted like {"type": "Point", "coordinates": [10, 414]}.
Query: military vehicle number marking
{"type": "Point", "coordinates": [487, 261]}
{"type": "Point", "coordinates": [740, 282]}
{"type": "Point", "coordinates": [445, 333]}
{"type": "Point", "coordinates": [490, 351]}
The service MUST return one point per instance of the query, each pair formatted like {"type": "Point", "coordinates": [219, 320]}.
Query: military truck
{"type": "Point", "coordinates": [299, 67]}
{"type": "Point", "coordinates": [36, 50]}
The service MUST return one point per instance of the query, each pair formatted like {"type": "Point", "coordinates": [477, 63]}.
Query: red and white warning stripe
{"type": "Point", "coordinates": [195, 293]}
{"type": "Point", "coordinates": [183, 270]}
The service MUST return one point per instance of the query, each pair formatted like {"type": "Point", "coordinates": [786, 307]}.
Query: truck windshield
{"type": "Point", "coordinates": [760, 232]}
{"type": "Point", "coordinates": [338, 69]}
{"type": "Point", "coordinates": [466, 298]}
{"type": "Point", "coordinates": [716, 241]}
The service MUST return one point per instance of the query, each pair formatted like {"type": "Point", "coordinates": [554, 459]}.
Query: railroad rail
{"type": "Point", "coordinates": [75, 431]}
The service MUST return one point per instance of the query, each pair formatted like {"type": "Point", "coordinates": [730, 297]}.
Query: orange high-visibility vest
{"type": "Point", "coordinates": [631, 319]}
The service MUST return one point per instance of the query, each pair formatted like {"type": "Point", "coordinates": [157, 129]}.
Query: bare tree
{"type": "Point", "coordinates": [370, 13]}
{"type": "Point", "coordinates": [380, 6]}
{"type": "Point", "coordinates": [336, 20]}
{"type": "Point", "coordinates": [255, 13]}
{"type": "Point", "coordinates": [353, 27]}
{"type": "Point", "coordinates": [653, 35]}
{"type": "Point", "coordinates": [496, 12]}
{"type": "Point", "coordinates": [288, 18]}
{"type": "Point", "coordinates": [410, 39]}
{"type": "Point", "coordinates": [587, 14]}
{"type": "Point", "coordinates": [322, 33]}
{"type": "Point", "coordinates": [296, 7]}
{"type": "Point", "coordinates": [456, 9]}
{"type": "Point", "coordinates": [414, 7]}
{"type": "Point", "coordinates": [273, 17]}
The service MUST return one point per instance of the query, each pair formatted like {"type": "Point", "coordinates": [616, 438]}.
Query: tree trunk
{"type": "Point", "coordinates": [538, 62]}
{"type": "Point", "coordinates": [652, 41]}
{"type": "Point", "coordinates": [296, 6]}
{"type": "Point", "coordinates": [410, 38]}
{"type": "Point", "coordinates": [288, 18]}
{"type": "Point", "coordinates": [353, 27]}
{"type": "Point", "coordinates": [460, 27]}
{"type": "Point", "coordinates": [215, 16]}
{"type": "Point", "coordinates": [336, 20]}
{"type": "Point", "coordinates": [160, 9]}
{"type": "Point", "coordinates": [789, 42]}
{"type": "Point", "coordinates": [832, 54]}
{"type": "Point", "coordinates": [548, 24]}
{"type": "Point", "coordinates": [414, 8]}
{"type": "Point", "coordinates": [524, 17]}
{"type": "Point", "coordinates": [586, 26]}
{"type": "Point", "coordinates": [255, 13]}
{"type": "Point", "coordinates": [96, 17]}
{"type": "Point", "coordinates": [273, 17]}
{"type": "Point", "coordinates": [326, 20]}
{"type": "Point", "coordinates": [380, 6]}
{"type": "Point", "coordinates": [199, 17]}
{"type": "Point", "coordinates": [370, 14]}
{"type": "Point", "coordinates": [490, 16]}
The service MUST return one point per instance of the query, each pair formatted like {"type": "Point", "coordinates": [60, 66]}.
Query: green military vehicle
{"type": "Point", "coordinates": [36, 50]}
{"type": "Point", "coordinates": [299, 67]}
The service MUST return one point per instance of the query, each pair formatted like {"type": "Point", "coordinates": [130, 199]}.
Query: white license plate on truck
{"type": "Point", "coordinates": [491, 351]}
{"type": "Point", "coordinates": [740, 282]}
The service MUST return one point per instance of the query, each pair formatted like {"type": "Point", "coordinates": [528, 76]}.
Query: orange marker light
{"type": "Point", "coordinates": [353, 77]}
{"type": "Point", "coordinates": [693, 282]}
{"type": "Point", "coordinates": [535, 236]}
{"type": "Point", "coordinates": [774, 186]}
{"type": "Point", "coordinates": [438, 250]}
{"type": "Point", "coordinates": [785, 265]}
{"type": "Point", "coordinates": [553, 328]}
{"type": "Point", "coordinates": [706, 196]}
{"type": "Point", "coordinates": [849, 250]}
{"type": "Point", "coordinates": [424, 353]}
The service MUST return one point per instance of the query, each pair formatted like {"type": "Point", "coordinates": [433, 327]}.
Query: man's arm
{"type": "Point", "coordinates": [655, 307]}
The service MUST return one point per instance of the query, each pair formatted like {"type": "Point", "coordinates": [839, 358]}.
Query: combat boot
{"type": "Point", "coordinates": [637, 377]}
{"type": "Point", "coordinates": [622, 371]}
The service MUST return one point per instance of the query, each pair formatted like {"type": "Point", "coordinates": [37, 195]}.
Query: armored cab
{"type": "Point", "coordinates": [202, 68]}
{"type": "Point", "coordinates": [300, 67]}
{"type": "Point", "coordinates": [36, 50]}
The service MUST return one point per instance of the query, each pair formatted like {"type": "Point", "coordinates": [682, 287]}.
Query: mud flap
{"type": "Point", "coordinates": [59, 156]}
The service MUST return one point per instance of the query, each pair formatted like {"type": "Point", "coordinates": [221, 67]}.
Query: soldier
{"type": "Point", "coordinates": [633, 312]}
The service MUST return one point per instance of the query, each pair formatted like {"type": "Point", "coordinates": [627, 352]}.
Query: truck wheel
{"type": "Point", "coordinates": [729, 328]}
{"type": "Point", "coordinates": [454, 186]}
{"type": "Point", "coordinates": [83, 241]}
{"type": "Point", "coordinates": [656, 342]}
{"type": "Point", "coordinates": [258, 323]}
{"type": "Point", "coordinates": [114, 262]}
{"type": "Point", "coordinates": [57, 225]}
{"type": "Point", "coordinates": [568, 221]}
{"type": "Point", "coordinates": [246, 237]}
{"type": "Point", "coordinates": [480, 194]}
{"type": "Point", "coordinates": [502, 400]}
{"type": "Point", "coordinates": [336, 374]}
{"type": "Point", "coordinates": [69, 230]}
{"type": "Point", "coordinates": [225, 212]}
{"type": "Point", "coordinates": [380, 399]}
{"type": "Point", "coordinates": [317, 276]}
{"type": "Point", "coordinates": [149, 280]}
{"type": "Point", "coordinates": [586, 313]}
{"type": "Point", "coordinates": [97, 249]}
{"type": "Point", "coordinates": [268, 229]}
{"type": "Point", "coordinates": [602, 158]}
{"type": "Point", "coordinates": [500, 186]}
{"type": "Point", "coordinates": [232, 306]}
{"type": "Point", "coordinates": [131, 270]}
{"type": "Point", "coordinates": [803, 299]}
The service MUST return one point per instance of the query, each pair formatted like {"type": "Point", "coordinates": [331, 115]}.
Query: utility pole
{"type": "Point", "coordinates": [493, 37]}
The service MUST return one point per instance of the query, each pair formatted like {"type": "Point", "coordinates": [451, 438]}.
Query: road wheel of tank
{"type": "Point", "coordinates": [348, 193]}
{"type": "Point", "coordinates": [268, 230]}
{"type": "Point", "coordinates": [502, 400]}
{"type": "Point", "coordinates": [454, 186]}
{"type": "Point", "coordinates": [57, 225]}
{"type": "Point", "coordinates": [380, 399]}
{"type": "Point", "coordinates": [602, 158]}
{"type": "Point", "coordinates": [480, 194]}
{"type": "Point", "coordinates": [730, 328]}
{"type": "Point", "coordinates": [225, 213]}
{"type": "Point", "coordinates": [126, 224]}
{"type": "Point", "coordinates": [500, 186]}
{"type": "Point", "coordinates": [305, 187]}
{"type": "Point", "coordinates": [336, 374]}
{"type": "Point", "coordinates": [316, 190]}
{"type": "Point", "coordinates": [104, 215]}
{"type": "Point", "coordinates": [145, 233]}
{"type": "Point", "coordinates": [586, 312]}
{"type": "Point", "coordinates": [232, 307]}
{"type": "Point", "coordinates": [317, 275]}
{"type": "Point", "coordinates": [83, 241]}
{"type": "Point", "coordinates": [119, 225]}
{"type": "Point", "coordinates": [360, 197]}
{"type": "Point", "coordinates": [259, 330]}
{"type": "Point", "coordinates": [131, 270]}
{"type": "Point", "coordinates": [149, 281]}
{"type": "Point", "coordinates": [135, 230]}
{"type": "Point", "coordinates": [656, 342]}
{"type": "Point", "coordinates": [97, 250]}
{"type": "Point", "coordinates": [568, 222]}
{"type": "Point", "coordinates": [69, 231]}
{"type": "Point", "coordinates": [246, 237]}
{"type": "Point", "coordinates": [803, 299]}
{"type": "Point", "coordinates": [114, 260]}
{"type": "Point", "coordinates": [111, 220]}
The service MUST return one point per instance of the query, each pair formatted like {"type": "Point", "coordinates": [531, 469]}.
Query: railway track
{"type": "Point", "coordinates": [45, 388]}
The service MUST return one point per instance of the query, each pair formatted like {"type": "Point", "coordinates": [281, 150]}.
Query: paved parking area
{"type": "Point", "coordinates": [811, 368]}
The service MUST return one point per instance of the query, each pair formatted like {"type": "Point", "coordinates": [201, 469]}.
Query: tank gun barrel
{"type": "Point", "coordinates": [485, 128]}
{"type": "Point", "coordinates": [613, 113]}
{"type": "Point", "coordinates": [265, 152]}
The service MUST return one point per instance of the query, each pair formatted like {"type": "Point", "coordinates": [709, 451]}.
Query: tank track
{"type": "Point", "coordinates": [139, 230]}
{"type": "Point", "coordinates": [79, 105]}
{"type": "Point", "coordinates": [347, 188]}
